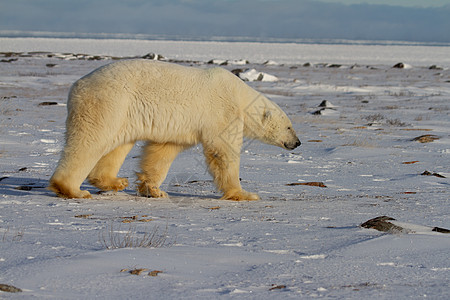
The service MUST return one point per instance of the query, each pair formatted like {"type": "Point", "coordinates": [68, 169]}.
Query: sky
{"type": "Point", "coordinates": [402, 20]}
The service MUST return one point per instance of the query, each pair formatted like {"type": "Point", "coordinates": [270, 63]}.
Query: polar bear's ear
{"type": "Point", "coordinates": [267, 116]}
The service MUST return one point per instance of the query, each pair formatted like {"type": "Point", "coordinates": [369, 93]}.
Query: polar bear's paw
{"type": "Point", "coordinates": [151, 191]}
{"type": "Point", "coordinates": [240, 195]}
{"type": "Point", "coordinates": [110, 184]}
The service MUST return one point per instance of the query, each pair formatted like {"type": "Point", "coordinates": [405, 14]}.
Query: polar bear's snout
{"type": "Point", "coordinates": [292, 145]}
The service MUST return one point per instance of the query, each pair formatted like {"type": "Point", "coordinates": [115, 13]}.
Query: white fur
{"type": "Point", "coordinates": [172, 107]}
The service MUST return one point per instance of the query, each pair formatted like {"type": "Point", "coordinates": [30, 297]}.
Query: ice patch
{"type": "Point", "coordinates": [315, 256]}
{"type": "Point", "coordinates": [48, 141]}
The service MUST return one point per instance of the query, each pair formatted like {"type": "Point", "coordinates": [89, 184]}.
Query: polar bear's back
{"type": "Point", "coordinates": [156, 100]}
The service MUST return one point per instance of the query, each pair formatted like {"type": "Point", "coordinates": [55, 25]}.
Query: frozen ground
{"type": "Point", "coordinates": [298, 241]}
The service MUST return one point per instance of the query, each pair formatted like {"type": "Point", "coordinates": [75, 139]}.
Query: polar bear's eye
{"type": "Point", "coordinates": [289, 128]}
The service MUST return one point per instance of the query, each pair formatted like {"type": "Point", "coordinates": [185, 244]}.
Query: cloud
{"type": "Point", "coordinates": [254, 18]}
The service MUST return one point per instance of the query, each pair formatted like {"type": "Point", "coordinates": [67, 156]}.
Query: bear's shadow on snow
{"type": "Point", "coordinates": [22, 186]}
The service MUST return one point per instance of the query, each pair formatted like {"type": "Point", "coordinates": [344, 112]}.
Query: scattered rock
{"type": "Point", "coordinates": [307, 64]}
{"type": "Point", "coordinates": [137, 271]}
{"type": "Point", "coordinates": [334, 66]}
{"type": "Point", "coordinates": [386, 224]}
{"type": "Point", "coordinates": [237, 71]}
{"type": "Point", "coordinates": [154, 273]}
{"type": "Point", "coordinates": [85, 216]}
{"type": "Point", "coordinates": [277, 287]}
{"type": "Point", "coordinates": [427, 173]}
{"type": "Point", "coordinates": [10, 60]}
{"type": "Point", "coordinates": [23, 169]}
{"type": "Point", "coordinates": [426, 138]}
{"type": "Point", "coordinates": [326, 103]}
{"type": "Point", "coordinates": [23, 188]}
{"type": "Point", "coordinates": [441, 230]}
{"type": "Point", "coordinates": [9, 288]}
{"type": "Point", "coordinates": [219, 62]}
{"type": "Point", "coordinates": [253, 75]}
{"type": "Point", "coordinates": [326, 108]}
{"type": "Point", "coordinates": [50, 65]}
{"type": "Point", "coordinates": [48, 103]}
{"type": "Point", "coordinates": [434, 67]}
{"type": "Point", "coordinates": [270, 63]}
{"type": "Point", "coordinates": [401, 65]}
{"type": "Point", "coordinates": [153, 56]}
{"type": "Point", "coordinates": [382, 224]}
{"type": "Point", "coordinates": [410, 162]}
{"type": "Point", "coordinates": [314, 183]}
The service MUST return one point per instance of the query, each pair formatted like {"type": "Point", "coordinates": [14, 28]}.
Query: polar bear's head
{"type": "Point", "coordinates": [278, 129]}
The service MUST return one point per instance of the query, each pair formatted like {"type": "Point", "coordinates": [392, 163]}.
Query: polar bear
{"type": "Point", "coordinates": [172, 107]}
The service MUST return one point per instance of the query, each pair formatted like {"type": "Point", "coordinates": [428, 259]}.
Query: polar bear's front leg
{"type": "Point", "coordinates": [224, 167]}
{"type": "Point", "coordinates": [155, 164]}
{"type": "Point", "coordinates": [104, 174]}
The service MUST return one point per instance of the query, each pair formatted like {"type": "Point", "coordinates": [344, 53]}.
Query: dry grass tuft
{"type": "Point", "coordinates": [131, 238]}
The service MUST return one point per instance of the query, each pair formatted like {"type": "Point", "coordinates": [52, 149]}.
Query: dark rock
{"type": "Point", "coordinates": [237, 71]}
{"type": "Point", "coordinates": [434, 67]}
{"type": "Point", "coordinates": [441, 230]}
{"type": "Point", "coordinates": [334, 66]}
{"type": "Point", "coordinates": [427, 173]}
{"type": "Point", "coordinates": [426, 138]}
{"type": "Point", "coordinates": [9, 60]}
{"type": "Point", "coordinates": [153, 56]}
{"type": "Point", "coordinates": [9, 288]}
{"type": "Point", "coordinates": [399, 66]}
{"type": "Point", "coordinates": [382, 224]}
{"type": "Point", "coordinates": [47, 103]}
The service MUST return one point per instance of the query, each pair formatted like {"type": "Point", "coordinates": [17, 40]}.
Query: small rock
{"type": "Point", "coordinates": [48, 103]}
{"type": "Point", "coordinates": [399, 66]}
{"type": "Point", "coordinates": [427, 173]}
{"type": "Point", "coordinates": [154, 273]}
{"type": "Point", "coordinates": [9, 288]}
{"type": "Point", "coordinates": [314, 183]}
{"type": "Point", "coordinates": [153, 56]}
{"type": "Point", "coordinates": [326, 103]}
{"type": "Point", "coordinates": [382, 224]}
{"type": "Point", "coordinates": [426, 138]}
{"type": "Point", "coordinates": [334, 66]}
{"type": "Point", "coordinates": [434, 67]}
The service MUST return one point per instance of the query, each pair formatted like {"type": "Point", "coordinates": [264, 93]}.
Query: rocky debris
{"type": "Point", "coordinates": [434, 67]}
{"type": "Point", "coordinates": [314, 183]}
{"type": "Point", "coordinates": [334, 66]}
{"type": "Point", "coordinates": [401, 65]}
{"type": "Point", "coordinates": [427, 173]}
{"type": "Point", "coordinates": [325, 108]}
{"type": "Point", "coordinates": [9, 288]}
{"type": "Point", "coordinates": [153, 56]}
{"type": "Point", "coordinates": [390, 225]}
{"type": "Point", "coordinates": [253, 75]}
{"type": "Point", "coordinates": [426, 138]}
{"type": "Point", "coordinates": [222, 62]}
{"type": "Point", "coordinates": [382, 224]}
{"type": "Point", "coordinates": [47, 103]}
{"type": "Point", "coordinates": [270, 63]}
{"type": "Point", "coordinates": [9, 60]}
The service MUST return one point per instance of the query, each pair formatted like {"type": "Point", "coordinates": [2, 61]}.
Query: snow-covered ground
{"type": "Point", "coordinates": [298, 241]}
